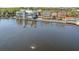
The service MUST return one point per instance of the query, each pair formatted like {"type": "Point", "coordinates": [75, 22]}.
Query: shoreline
{"type": "Point", "coordinates": [64, 21]}
{"type": "Point", "coordinates": [56, 21]}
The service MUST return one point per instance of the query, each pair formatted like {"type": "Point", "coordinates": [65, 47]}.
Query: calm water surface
{"type": "Point", "coordinates": [24, 35]}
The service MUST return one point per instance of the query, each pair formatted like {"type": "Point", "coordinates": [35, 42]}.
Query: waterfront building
{"type": "Point", "coordinates": [24, 14]}
{"type": "Point", "coordinates": [61, 14]}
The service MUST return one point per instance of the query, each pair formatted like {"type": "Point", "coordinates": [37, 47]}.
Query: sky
{"type": "Point", "coordinates": [39, 3]}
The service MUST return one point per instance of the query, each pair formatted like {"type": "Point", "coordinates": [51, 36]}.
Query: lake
{"type": "Point", "coordinates": [30, 35]}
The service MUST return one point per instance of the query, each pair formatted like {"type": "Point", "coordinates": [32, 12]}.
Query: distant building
{"type": "Point", "coordinates": [61, 14]}
{"type": "Point", "coordinates": [46, 14]}
{"type": "Point", "coordinates": [23, 14]}
{"type": "Point", "coordinates": [54, 15]}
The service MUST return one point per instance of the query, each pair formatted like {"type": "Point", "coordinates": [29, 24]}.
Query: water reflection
{"type": "Point", "coordinates": [26, 22]}
{"type": "Point", "coordinates": [27, 34]}
{"type": "Point", "coordinates": [33, 23]}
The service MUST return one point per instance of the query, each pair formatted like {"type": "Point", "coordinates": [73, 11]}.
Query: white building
{"type": "Point", "coordinates": [23, 14]}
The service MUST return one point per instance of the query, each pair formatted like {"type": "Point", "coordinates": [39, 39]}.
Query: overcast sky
{"type": "Point", "coordinates": [39, 3]}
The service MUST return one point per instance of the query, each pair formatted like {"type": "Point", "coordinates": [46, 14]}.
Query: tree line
{"type": "Point", "coordinates": [70, 11]}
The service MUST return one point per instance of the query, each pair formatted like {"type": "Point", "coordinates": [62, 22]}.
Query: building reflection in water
{"type": "Point", "coordinates": [58, 25]}
{"type": "Point", "coordinates": [46, 23]}
{"type": "Point", "coordinates": [33, 23]}
{"type": "Point", "coordinates": [26, 22]}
